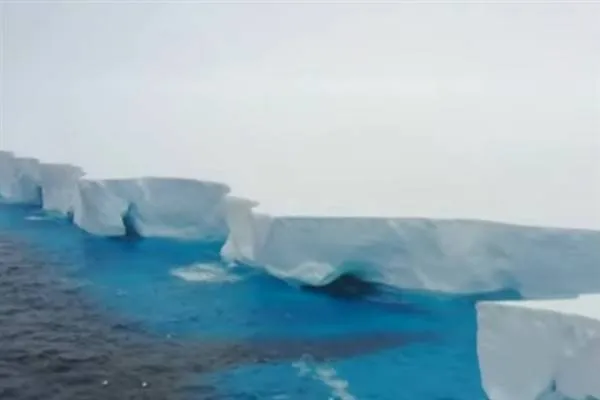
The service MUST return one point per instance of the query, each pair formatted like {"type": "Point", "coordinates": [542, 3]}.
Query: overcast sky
{"type": "Point", "coordinates": [456, 110]}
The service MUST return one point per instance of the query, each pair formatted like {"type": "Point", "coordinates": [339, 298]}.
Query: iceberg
{"type": "Point", "coordinates": [28, 181]}
{"type": "Point", "coordinates": [152, 207]}
{"type": "Point", "coordinates": [19, 179]}
{"type": "Point", "coordinates": [59, 184]}
{"type": "Point", "coordinates": [528, 350]}
{"type": "Point", "coordinates": [540, 349]}
{"type": "Point", "coordinates": [454, 256]}
{"type": "Point", "coordinates": [247, 230]}
{"type": "Point", "coordinates": [6, 174]}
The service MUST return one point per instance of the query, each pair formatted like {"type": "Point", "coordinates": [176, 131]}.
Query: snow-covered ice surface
{"type": "Point", "coordinates": [28, 181]}
{"type": "Point", "coordinates": [540, 349]}
{"type": "Point", "coordinates": [422, 254]}
{"type": "Point", "coordinates": [152, 207]}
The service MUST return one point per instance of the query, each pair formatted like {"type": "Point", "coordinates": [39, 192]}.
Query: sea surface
{"type": "Point", "coordinates": [83, 317]}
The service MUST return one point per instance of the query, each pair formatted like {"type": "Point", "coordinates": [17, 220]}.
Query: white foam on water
{"type": "Point", "coordinates": [339, 386]}
{"type": "Point", "coordinates": [302, 367]}
{"type": "Point", "coordinates": [39, 217]}
{"type": "Point", "coordinates": [325, 374]}
{"type": "Point", "coordinates": [208, 273]}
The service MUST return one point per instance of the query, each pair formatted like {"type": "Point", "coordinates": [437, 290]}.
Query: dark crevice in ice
{"type": "Point", "coordinates": [131, 230]}
{"type": "Point", "coordinates": [347, 286]}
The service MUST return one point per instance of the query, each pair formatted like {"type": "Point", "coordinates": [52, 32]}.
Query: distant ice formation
{"type": "Point", "coordinates": [540, 350]}
{"type": "Point", "coordinates": [59, 187]}
{"type": "Point", "coordinates": [148, 207]}
{"type": "Point", "coordinates": [19, 179]}
{"type": "Point", "coordinates": [27, 181]}
{"type": "Point", "coordinates": [530, 350]}
{"type": "Point", "coordinates": [421, 254]}
{"type": "Point", "coordinates": [153, 207]}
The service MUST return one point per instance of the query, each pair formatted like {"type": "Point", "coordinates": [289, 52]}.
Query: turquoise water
{"type": "Point", "coordinates": [176, 290]}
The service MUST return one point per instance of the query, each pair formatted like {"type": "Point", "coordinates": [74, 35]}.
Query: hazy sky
{"type": "Point", "coordinates": [455, 110]}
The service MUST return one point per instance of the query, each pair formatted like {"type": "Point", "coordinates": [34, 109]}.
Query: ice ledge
{"type": "Point", "coordinates": [540, 350]}
{"type": "Point", "coordinates": [19, 179]}
{"type": "Point", "coordinates": [158, 207]}
{"type": "Point", "coordinates": [420, 254]}
{"type": "Point", "coordinates": [59, 187]}
{"type": "Point", "coordinates": [152, 207]}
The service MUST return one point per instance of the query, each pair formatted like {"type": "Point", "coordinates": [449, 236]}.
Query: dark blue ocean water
{"type": "Point", "coordinates": [83, 317]}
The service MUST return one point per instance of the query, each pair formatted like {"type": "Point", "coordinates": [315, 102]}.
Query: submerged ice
{"type": "Point", "coordinates": [207, 273]}
{"type": "Point", "coordinates": [28, 181]}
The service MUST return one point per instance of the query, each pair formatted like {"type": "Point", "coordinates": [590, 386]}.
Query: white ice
{"type": "Point", "coordinates": [457, 256]}
{"type": "Point", "coordinates": [439, 255]}
{"type": "Point", "coordinates": [156, 207]}
{"type": "Point", "coordinates": [19, 179]}
{"type": "Point", "coordinates": [59, 183]}
{"type": "Point", "coordinates": [540, 349]}
{"type": "Point", "coordinates": [528, 350]}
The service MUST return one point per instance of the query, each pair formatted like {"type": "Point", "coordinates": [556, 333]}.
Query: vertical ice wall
{"type": "Point", "coordinates": [19, 179]}
{"type": "Point", "coordinates": [540, 350]}
{"type": "Point", "coordinates": [6, 174]}
{"type": "Point", "coordinates": [421, 254]}
{"type": "Point", "coordinates": [153, 207]}
{"type": "Point", "coordinates": [59, 183]}
{"type": "Point", "coordinates": [247, 231]}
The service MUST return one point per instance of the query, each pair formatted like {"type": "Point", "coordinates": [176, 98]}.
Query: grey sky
{"type": "Point", "coordinates": [455, 110]}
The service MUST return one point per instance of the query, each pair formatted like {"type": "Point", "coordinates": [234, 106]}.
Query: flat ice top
{"type": "Point", "coordinates": [346, 191]}
{"type": "Point", "coordinates": [328, 205]}
{"type": "Point", "coordinates": [584, 305]}
{"type": "Point", "coordinates": [124, 176]}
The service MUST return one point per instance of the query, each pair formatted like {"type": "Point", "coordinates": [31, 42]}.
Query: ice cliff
{"type": "Point", "coordinates": [149, 207]}
{"type": "Point", "coordinates": [438, 255]}
{"type": "Point", "coordinates": [19, 179]}
{"type": "Point", "coordinates": [421, 254]}
{"type": "Point", "coordinates": [152, 207]}
{"type": "Point", "coordinates": [540, 350]}
{"type": "Point", "coordinates": [59, 187]}
{"type": "Point", "coordinates": [529, 350]}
